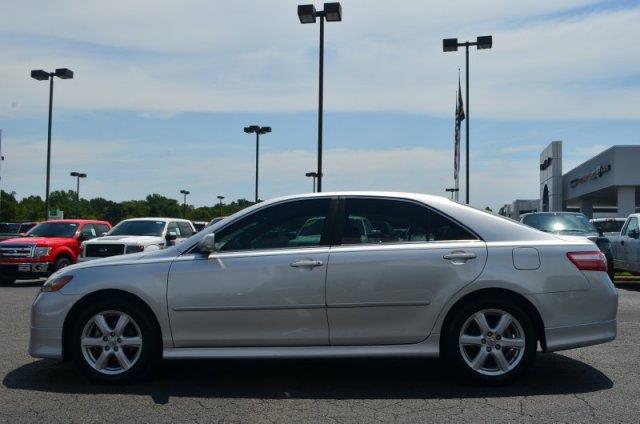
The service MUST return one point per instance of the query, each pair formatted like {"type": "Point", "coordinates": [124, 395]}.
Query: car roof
{"type": "Point", "coordinates": [156, 219]}
{"type": "Point", "coordinates": [77, 221]}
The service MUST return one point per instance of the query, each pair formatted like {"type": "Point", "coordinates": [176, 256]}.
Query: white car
{"type": "Point", "coordinates": [137, 235]}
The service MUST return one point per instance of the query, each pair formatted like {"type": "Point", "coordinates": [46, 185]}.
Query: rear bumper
{"type": "Point", "coordinates": [573, 336]}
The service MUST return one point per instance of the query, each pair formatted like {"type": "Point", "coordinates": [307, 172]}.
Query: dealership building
{"type": "Point", "coordinates": [605, 185]}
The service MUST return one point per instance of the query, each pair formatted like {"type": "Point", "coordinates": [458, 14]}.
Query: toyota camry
{"type": "Point", "coordinates": [369, 274]}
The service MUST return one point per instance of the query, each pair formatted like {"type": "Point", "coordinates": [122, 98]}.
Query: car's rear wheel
{"type": "Point", "coordinates": [113, 341]}
{"type": "Point", "coordinates": [490, 341]}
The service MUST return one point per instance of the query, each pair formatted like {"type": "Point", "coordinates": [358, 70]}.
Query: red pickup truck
{"type": "Point", "coordinates": [46, 248]}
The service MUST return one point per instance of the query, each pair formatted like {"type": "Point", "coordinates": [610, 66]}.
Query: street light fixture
{"type": "Point", "coordinates": [258, 130]}
{"type": "Point", "coordinates": [452, 191]}
{"type": "Point", "coordinates": [314, 175]}
{"type": "Point", "coordinates": [78, 175]}
{"type": "Point", "coordinates": [220, 203]}
{"type": "Point", "coordinates": [184, 202]}
{"type": "Point", "coordinates": [307, 14]}
{"type": "Point", "coordinates": [451, 45]}
{"type": "Point", "coordinates": [40, 75]}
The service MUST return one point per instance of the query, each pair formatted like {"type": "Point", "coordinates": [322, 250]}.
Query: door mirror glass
{"type": "Point", "coordinates": [634, 234]}
{"type": "Point", "coordinates": [207, 244]}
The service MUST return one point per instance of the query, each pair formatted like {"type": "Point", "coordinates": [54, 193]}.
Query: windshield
{"type": "Point", "coordinates": [138, 228]}
{"type": "Point", "coordinates": [6, 227]}
{"type": "Point", "coordinates": [559, 223]}
{"type": "Point", "coordinates": [53, 229]}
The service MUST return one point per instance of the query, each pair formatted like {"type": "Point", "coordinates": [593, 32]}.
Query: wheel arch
{"type": "Point", "coordinates": [99, 295]}
{"type": "Point", "coordinates": [502, 293]}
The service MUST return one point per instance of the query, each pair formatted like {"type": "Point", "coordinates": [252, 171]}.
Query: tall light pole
{"type": "Point", "coordinates": [258, 130]}
{"type": "Point", "coordinates": [40, 75]}
{"type": "Point", "coordinates": [78, 175]}
{"type": "Point", "coordinates": [451, 45]}
{"type": "Point", "coordinates": [220, 203]}
{"type": "Point", "coordinates": [184, 202]}
{"type": "Point", "coordinates": [307, 14]}
{"type": "Point", "coordinates": [314, 175]}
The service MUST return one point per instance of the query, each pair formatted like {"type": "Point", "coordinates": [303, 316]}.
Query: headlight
{"type": "Point", "coordinates": [135, 249]}
{"type": "Point", "coordinates": [56, 283]}
{"type": "Point", "coordinates": [41, 251]}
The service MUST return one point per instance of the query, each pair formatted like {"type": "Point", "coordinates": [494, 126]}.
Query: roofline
{"type": "Point", "coordinates": [599, 154]}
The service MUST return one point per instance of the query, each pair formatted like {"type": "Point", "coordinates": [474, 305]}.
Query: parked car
{"type": "Point", "coordinates": [479, 290]}
{"type": "Point", "coordinates": [573, 224]}
{"type": "Point", "coordinates": [10, 230]}
{"type": "Point", "coordinates": [137, 235]}
{"type": "Point", "coordinates": [608, 226]}
{"type": "Point", "coordinates": [626, 246]}
{"type": "Point", "coordinates": [46, 248]}
{"type": "Point", "coordinates": [199, 225]}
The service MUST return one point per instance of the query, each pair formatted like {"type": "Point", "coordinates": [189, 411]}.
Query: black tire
{"type": "Point", "coordinates": [61, 262]}
{"type": "Point", "coordinates": [149, 352]}
{"type": "Point", "coordinates": [452, 351]}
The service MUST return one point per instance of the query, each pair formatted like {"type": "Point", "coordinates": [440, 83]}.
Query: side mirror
{"type": "Point", "coordinates": [634, 234]}
{"type": "Point", "coordinates": [103, 234]}
{"type": "Point", "coordinates": [600, 232]}
{"type": "Point", "coordinates": [171, 236]}
{"type": "Point", "coordinates": [207, 244]}
{"type": "Point", "coordinates": [84, 237]}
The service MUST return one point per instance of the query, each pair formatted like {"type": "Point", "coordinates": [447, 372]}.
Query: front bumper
{"type": "Point", "coordinates": [48, 313]}
{"type": "Point", "coordinates": [26, 270]}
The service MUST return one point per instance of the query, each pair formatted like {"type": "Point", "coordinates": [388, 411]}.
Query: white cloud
{"type": "Point", "coordinates": [255, 56]}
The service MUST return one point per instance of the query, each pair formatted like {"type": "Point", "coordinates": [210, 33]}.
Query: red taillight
{"type": "Point", "coordinates": [588, 261]}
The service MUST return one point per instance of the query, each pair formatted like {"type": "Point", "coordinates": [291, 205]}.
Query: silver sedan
{"type": "Point", "coordinates": [335, 275]}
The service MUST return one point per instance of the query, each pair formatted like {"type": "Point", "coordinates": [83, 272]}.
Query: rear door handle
{"type": "Point", "coordinates": [459, 256]}
{"type": "Point", "coordinates": [306, 263]}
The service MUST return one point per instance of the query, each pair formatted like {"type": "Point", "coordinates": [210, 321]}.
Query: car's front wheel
{"type": "Point", "coordinates": [113, 341]}
{"type": "Point", "coordinates": [490, 341]}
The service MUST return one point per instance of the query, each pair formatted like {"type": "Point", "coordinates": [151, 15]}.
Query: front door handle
{"type": "Point", "coordinates": [306, 263]}
{"type": "Point", "coordinates": [459, 257]}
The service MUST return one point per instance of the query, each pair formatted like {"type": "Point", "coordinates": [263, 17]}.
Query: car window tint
{"type": "Point", "coordinates": [89, 231]}
{"type": "Point", "coordinates": [394, 221]}
{"type": "Point", "coordinates": [633, 226]}
{"type": "Point", "coordinates": [102, 228]}
{"type": "Point", "coordinates": [173, 228]}
{"type": "Point", "coordinates": [185, 229]}
{"type": "Point", "coordinates": [293, 224]}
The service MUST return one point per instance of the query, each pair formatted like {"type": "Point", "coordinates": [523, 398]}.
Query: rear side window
{"type": "Point", "coordinates": [386, 221]}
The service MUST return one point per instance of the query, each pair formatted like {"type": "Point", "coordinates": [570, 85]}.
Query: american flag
{"type": "Point", "coordinates": [459, 118]}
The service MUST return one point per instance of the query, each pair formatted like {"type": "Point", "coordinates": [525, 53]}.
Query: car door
{"type": "Point", "coordinates": [264, 286]}
{"type": "Point", "coordinates": [387, 284]}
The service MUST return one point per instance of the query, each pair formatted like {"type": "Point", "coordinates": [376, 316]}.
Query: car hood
{"type": "Point", "coordinates": [126, 240]}
{"type": "Point", "coordinates": [39, 241]}
{"type": "Point", "coordinates": [123, 259]}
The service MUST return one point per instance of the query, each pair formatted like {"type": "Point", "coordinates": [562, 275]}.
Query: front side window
{"type": "Point", "coordinates": [54, 229]}
{"type": "Point", "coordinates": [185, 229]}
{"type": "Point", "coordinates": [88, 231]}
{"type": "Point", "coordinates": [632, 228]}
{"type": "Point", "coordinates": [385, 221]}
{"type": "Point", "coordinates": [173, 228]}
{"type": "Point", "coordinates": [299, 223]}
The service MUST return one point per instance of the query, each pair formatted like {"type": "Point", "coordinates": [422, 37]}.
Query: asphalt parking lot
{"type": "Point", "coordinates": [598, 383]}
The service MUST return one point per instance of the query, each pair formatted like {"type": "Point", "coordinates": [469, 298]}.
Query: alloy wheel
{"type": "Point", "coordinates": [111, 342]}
{"type": "Point", "coordinates": [492, 342]}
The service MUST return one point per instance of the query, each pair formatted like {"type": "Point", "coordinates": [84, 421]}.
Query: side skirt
{"type": "Point", "coordinates": [427, 348]}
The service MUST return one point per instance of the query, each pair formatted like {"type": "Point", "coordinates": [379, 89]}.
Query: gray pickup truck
{"type": "Point", "coordinates": [625, 247]}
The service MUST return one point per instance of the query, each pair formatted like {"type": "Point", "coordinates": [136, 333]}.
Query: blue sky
{"type": "Point", "coordinates": [162, 91]}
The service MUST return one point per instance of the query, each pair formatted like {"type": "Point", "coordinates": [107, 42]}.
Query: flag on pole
{"type": "Point", "coordinates": [460, 116]}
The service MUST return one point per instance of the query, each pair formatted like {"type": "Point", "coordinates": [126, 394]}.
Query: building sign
{"type": "Point", "coordinates": [597, 173]}
{"type": "Point", "coordinates": [545, 164]}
